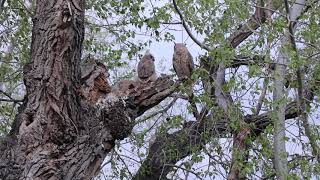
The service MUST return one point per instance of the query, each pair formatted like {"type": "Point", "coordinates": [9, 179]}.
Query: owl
{"type": "Point", "coordinates": [146, 68]}
{"type": "Point", "coordinates": [182, 61]}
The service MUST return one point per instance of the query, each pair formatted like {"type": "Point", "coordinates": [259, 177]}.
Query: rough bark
{"type": "Point", "coordinates": [239, 153]}
{"type": "Point", "coordinates": [68, 121]}
{"type": "Point", "coordinates": [81, 157]}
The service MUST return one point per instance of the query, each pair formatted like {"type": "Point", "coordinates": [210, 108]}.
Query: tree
{"type": "Point", "coordinates": [71, 117]}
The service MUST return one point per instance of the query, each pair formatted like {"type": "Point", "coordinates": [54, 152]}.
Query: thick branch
{"type": "Point", "coordinates": [245, 30]}
{"type": "Point", "coordinates": [107, 118]}
{"type": "Point", "coordinates": [189, 139]}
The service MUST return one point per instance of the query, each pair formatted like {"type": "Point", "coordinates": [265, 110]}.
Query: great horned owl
{"type": "Point", "coordinates": [182, 61]}
{"type": "Point", "coordinates": [146, 68]}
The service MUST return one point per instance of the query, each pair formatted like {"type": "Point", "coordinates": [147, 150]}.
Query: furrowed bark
{"type": "Point", "coordinates": [69, 122]}
{"type": "Point", "coordinates": [50, 114]}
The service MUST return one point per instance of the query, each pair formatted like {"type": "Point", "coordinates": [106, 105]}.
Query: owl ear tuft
{"type": "Point", "coordinates": [148, 52]}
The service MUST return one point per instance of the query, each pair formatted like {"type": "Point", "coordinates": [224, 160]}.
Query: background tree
{"type": "Point", "coordinates": [70, 126]}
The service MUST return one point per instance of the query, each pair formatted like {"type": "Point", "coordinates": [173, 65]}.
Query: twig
{"type": "Point", "coordinates": [10, 98]}
{"type": "Point", "coordinates": [159, 112]}
{"type": "Point", "coordinates": [184, 24]}
{"type": "Point", "coordinates": [179, 167]}
{"type": "Point", "coordinates": [124, 163]}
{"type": "Point", "coordinates": [262, 96]}
{"type": "Point", "coordinates": [266, 80]}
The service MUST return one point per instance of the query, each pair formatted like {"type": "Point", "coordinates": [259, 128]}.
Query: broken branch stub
{"type": "Point", "coordinates": [146, 96]}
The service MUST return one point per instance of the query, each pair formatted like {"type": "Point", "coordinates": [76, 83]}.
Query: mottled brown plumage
{"type": "Point", "coordinates": [182, 61]}
{"type": "Point", "coordinates": [146, 68]}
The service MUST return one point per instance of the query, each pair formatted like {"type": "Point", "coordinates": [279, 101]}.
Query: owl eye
{"type": "Point", "coordinates": [151, 57]}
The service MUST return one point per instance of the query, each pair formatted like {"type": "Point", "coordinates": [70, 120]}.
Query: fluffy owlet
{"type": "Point", "coordinates": [182, 61]}
{"type": "Point", "coordinates": [146, 68]}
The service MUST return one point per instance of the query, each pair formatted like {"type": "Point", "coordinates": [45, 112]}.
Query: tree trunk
{"type": "Point", "coordinates": [280, 154]}
{"type": "Point", "coordinates": [68, 122]}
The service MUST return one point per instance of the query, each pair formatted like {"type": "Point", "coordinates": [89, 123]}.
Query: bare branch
{"type": "Point", "coordinates": [10, 98]}
{"type": "Point", "coordinates": [159, 112]}
{"type": "Point", "coordinates": [190, 138]}
{"type": "Point", "coordinates": [253, 23]}
{"type": "Point", "coordinates": [184, 24]}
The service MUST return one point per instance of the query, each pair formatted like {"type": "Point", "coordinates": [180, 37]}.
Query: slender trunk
{"type": "Point", "coordinates": [280, 154]}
